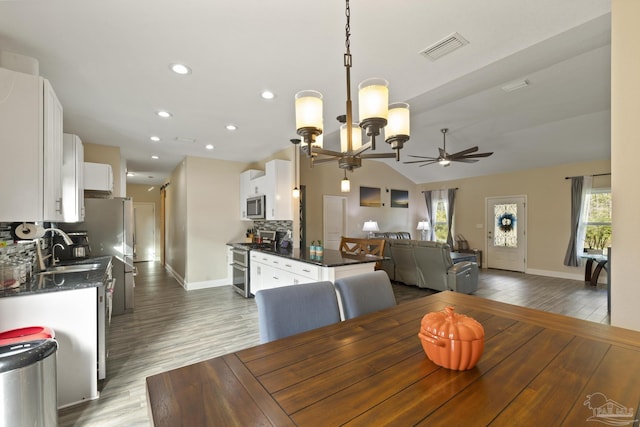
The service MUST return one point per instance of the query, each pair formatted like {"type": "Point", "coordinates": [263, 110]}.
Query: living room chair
{"type": "Point", "coordinates": [365, 293]}
{"type": "Point", "coordinates": [289, 310]}
{"type": "Point", "coordinates": [437, 271]}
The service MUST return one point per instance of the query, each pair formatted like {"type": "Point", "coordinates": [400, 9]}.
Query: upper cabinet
{"type": "Point", "coordinates": [278, 190]}
{"type": "Point", "coordinates": [274, 183]}
{"type": "Point", "coordinates": [72, 178]}
{"type": "Point", "coordinates": [31, 143]}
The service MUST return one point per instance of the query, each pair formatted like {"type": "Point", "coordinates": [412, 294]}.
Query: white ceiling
{"type": "Point", "coordinates": [109, 64]}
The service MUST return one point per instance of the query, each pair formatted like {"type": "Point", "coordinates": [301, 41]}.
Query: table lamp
{"type": "Point", "coordinates": [424, 227]}
{"type": "Point", "coordinates": [370, 226]}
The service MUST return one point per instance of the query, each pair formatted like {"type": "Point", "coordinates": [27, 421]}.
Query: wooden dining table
{"type": "Point", "coordinates": [537, 369]}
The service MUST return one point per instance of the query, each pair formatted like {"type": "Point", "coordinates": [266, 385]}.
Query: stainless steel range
{"type": "Point", "coordinates": [240, 262]}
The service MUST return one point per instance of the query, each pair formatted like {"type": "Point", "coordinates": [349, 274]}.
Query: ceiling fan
{"type": "Point", "coordinates": [465, 156]}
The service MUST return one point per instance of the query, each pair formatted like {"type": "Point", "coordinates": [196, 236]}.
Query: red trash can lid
{"type": "Point", "coordinates": [29, 333]}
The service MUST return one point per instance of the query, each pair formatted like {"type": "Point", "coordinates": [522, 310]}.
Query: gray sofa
{"type": "Point", "coordinates": [428, 264]}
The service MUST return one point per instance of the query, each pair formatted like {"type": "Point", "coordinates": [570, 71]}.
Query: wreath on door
{"type": "Point", "coordinates": [506, 221]}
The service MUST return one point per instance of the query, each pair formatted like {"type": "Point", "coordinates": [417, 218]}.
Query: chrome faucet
{"type": "Point", "coordinates": [67, 240]}
{"type": "Point", "coordinates": [55, 260]}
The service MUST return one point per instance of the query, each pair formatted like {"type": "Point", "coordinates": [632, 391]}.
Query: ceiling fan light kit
{"type": "Point", "coordinates": [469, 155]}
{"type": "Point", "coordinates": [375, 115]}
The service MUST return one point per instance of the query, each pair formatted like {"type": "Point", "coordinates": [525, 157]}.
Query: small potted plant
{"type": "Point", "coordinates": [319, 249]}
{"type": "Point", "coordinates": [312, 248]}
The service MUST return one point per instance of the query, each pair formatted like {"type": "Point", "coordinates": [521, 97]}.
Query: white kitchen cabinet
{"type": "Point", "coordinates": [272, 271]}
{"type": "Point", "coordinates": [248, 189]}
{"type": "Point", "coordinates": [278, 190]}
{"type": "Point", "coordinates": [31, 144]}
{"type": "Point", "coordinates": [98, 177]}
{"type": "Point", "coordinates": [72, 178]}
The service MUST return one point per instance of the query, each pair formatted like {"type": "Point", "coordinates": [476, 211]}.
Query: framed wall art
{"type": "Point", "coordinates": [370, 197]}
{"type": "Point", "coordinates": [399, 199]}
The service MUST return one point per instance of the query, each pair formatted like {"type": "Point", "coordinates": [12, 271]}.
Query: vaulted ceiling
{"type": "Point", "coordinates": [109, 64]}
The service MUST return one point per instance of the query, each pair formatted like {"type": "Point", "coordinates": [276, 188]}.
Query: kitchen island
{"type": "Point", "coordinates": [272, 268]}
{"type": "Point", "coordinates": [72, 303]}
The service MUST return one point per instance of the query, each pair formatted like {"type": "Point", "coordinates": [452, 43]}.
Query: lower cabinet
{"type": "Point", "coordinates": [272, 271]}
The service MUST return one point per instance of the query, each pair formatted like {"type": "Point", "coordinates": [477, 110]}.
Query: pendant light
{"type": "Point", "coordinates": [295, 192]}
{"type": "Point", "coordinates": [345, 184]}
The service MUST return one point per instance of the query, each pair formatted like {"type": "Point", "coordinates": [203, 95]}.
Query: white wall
{"type": "Point", "coordinates": [625, 152]}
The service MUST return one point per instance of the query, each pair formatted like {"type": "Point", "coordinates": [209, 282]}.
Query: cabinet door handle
{"type": "Point", "coordinates": [288, 265]}
{"type": "Point", "coordinates": [306, 271]}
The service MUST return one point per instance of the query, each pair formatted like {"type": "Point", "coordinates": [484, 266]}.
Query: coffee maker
{"type": "Point", "coordinates": [79, 249]}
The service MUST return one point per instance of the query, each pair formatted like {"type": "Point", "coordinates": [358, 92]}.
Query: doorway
{"type": "Point", "coordinates": [506, 244]}
{"type": "Point", "coordinates": [334, 213]}
{"type": "Point", "coordinates": [145, 232]}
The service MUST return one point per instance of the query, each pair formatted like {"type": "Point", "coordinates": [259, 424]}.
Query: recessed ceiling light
{"type": "Point", "coordinates": [180, 69]}
{"type": "Point", "coordinates": [155, 157]}
{"type": "Point", "coordinates": [232, 127]}
{"type": "Point", "coordinates": [164, 114]}
{"type": "Point", "coordinates": [209, 146]}
{"type": "Point", "coordinates": [267, 94]}
{"type": "Point", "coordinates": [154, 138]}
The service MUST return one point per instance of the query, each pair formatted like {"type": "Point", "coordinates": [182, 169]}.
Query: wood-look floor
{"type": "Point", "coordinates": [171, 327]}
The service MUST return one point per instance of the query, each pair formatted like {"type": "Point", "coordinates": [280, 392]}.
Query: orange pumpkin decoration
{"type": "Point", "coordinates": [452, 340]}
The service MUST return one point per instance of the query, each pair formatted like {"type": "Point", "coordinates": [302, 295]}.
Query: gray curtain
{"type": "Point", "coordinates": [451, 197]}
{"type": "Point", "coordinates": [571, 257]}
{"type": "Point", "coordinates": [428, 200]}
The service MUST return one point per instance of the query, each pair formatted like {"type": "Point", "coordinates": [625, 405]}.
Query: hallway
{"type": "Point", "coordinates": [171, 328]}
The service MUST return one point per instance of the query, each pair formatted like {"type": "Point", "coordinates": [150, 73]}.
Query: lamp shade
{"type": "Point", "coordinates": [370, 226]}
{"type": "Point", "coordinates": [308, 109]}
{"type": "Point", "coordinates": [423, 225]}
{"type": "Point", "coordinates": [373, 99]}
{"type": "Point", "coordinates": [356, 137]}
{"type": "Point", "coordinates": [398, 121]}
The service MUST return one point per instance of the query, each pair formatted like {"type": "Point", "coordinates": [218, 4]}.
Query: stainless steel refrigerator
{"type": "Point", "coordinates": [109, 225]}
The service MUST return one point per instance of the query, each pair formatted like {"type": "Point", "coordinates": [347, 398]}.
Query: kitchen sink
{"type": "Point", "coordinates": [73, 268]}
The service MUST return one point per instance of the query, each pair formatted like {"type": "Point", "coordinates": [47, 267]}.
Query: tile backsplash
{"type": "Point", "coordinates": [273, 225]}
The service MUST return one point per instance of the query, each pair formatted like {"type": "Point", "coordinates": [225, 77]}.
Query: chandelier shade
{"type": "Point", "coordinates": [356, 137]}
{"type": "Point", "coordinates": [373, 99]}
{"type": "Point", "coordinates": [309, 113]}
{"type": "Point", "coordinates": [398, 122]}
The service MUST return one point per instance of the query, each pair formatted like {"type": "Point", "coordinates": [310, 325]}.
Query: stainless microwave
{"type": "Point", "coordinates": [255, 207]}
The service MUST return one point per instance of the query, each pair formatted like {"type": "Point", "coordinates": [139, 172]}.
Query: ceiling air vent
{"type": "Point", "coordinates": [447, 45]}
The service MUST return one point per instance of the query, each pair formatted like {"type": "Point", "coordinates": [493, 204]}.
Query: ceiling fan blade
{"type": "Point", "coordinates": [421, 161]}
{"type": "Point", "coordinates": [464, 160]}
{"type": "Point", "coordinates": [429, 163]}
{"type": "Point", "coordinates": [422, 157]}
{"type": "Point", "coordinates": [463, 152]}
{"type": "Point", "coordinates": [473, 156]}
{"type": "Point", "coordinates": [442, 153]}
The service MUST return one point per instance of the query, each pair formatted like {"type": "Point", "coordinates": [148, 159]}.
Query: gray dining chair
{"type": "Point", "coordinates": [365, 293]}
{"type": "Point", "coordinates": [289, 310]}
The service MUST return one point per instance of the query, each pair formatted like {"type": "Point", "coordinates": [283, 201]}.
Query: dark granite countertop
{"type": "Point", "coordinates": [63, 281]}
{"type": "Point", "coordinates": [329, 258]}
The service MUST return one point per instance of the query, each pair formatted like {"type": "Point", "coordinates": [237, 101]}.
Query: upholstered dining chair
{"type": "Point", "coordinates": [289, 310]}
{"type": "Point", "coordinates": [365, 293]}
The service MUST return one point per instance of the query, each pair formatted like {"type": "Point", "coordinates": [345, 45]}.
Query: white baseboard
{"type": "Point", "coordinates": [207, 284]}
{"type": "Point", "coordinates": [175, 275]}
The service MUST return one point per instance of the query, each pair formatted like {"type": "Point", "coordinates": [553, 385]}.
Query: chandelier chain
{"type": "Point", "coordinates": [347, 28]}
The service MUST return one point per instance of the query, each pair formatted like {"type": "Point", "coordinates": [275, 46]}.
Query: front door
{"type": "Point", "coordinates": [334, 219]}
{"type": "Point", "coordinates": [506, 247]}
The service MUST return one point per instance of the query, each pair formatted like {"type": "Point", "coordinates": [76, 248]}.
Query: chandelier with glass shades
{"type": "Point", "coordinates": [375, 114]}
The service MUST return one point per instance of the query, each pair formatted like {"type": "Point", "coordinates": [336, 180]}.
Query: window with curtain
{"type": "Point", "coordinates": [440, 207]}
{"type": "Point", "coordinates": [597, 219]}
